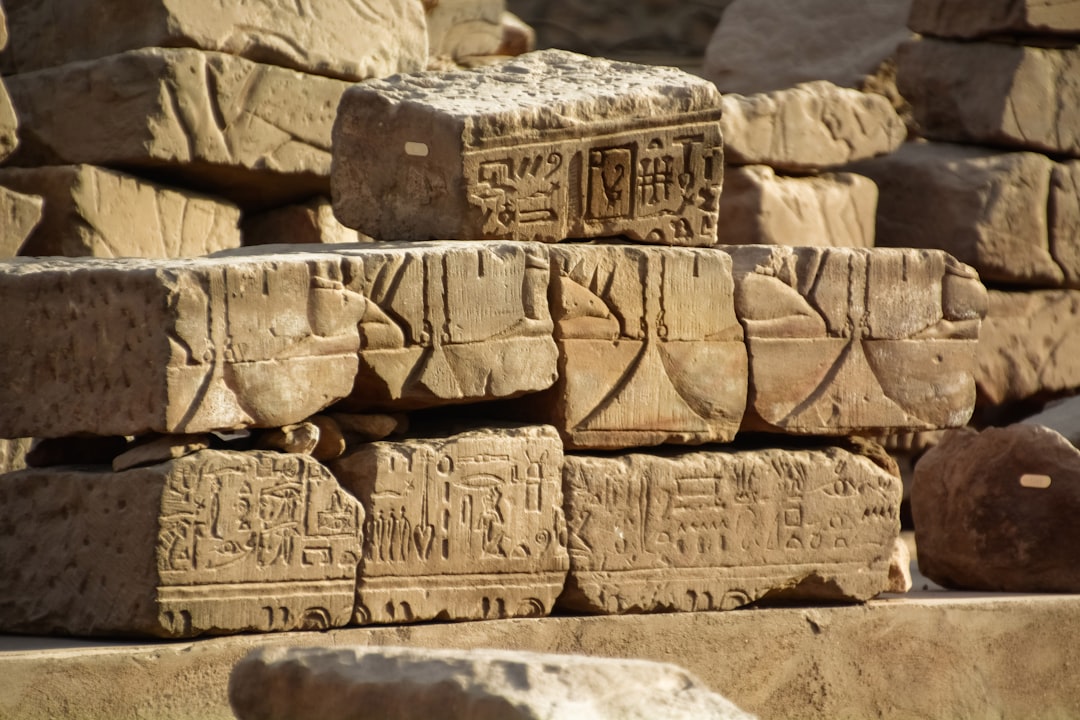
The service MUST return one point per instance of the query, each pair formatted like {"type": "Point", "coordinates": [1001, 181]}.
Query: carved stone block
{"type": "Point", "coordinates": [716, 530]}
{"type": "Point", "coordinates": [312, 222]}
{"type": "Point", "coordinates": [464, 527]}
{"type": "Point", "coordinates": [212, 543]}
{"type": "Point", "coordinates": [19, 215]}
{"type": "Point", "coordinates": [980, 18]}
{"type": "Point", "coordinates": [848, 340]}
{"type": "Point", "coordinates": [545, 147]}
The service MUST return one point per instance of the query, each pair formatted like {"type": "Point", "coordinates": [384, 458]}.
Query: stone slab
{"type": "Point", "coordinates": [215, 542]}
{"type": "Point", "coordinates": [19, 215]}
{"type": "Point", "coordinates": [339, 38]}
{"type": "Point", "coordinates": [997, 94]}
{"type": "Point", "coordinates": [463, 527]}
{"type": "Point", "coordinates": [93, 211]}
{"type": "Point", "coordinates": [253, 133]}
{"type": "Point", "coordinates": [312, 222]}
{"type": "Point", "coordinates": [980, 18]}
{"type": "Point", "coordinates": [760, 207]}
{"type": "Point", "coordinates": [546, 147]}
{"type": "Point", "coordinates": [850, 340]}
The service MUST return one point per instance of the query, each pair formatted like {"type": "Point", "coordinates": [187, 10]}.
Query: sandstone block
{"type": "Point", "coordinates": [463, 28]}
{"type": "Point", "coordinates": [212, 543]}
{"type": "Point", "coordinates": [717, 530]}
{"type": "Point", "coordinates": [464, 527]}
{"type": "Point", "coordinates": [19, 215]}
{"type": "Point", "coordinates": [848, 340]}
{"type": "Point", "coordinates": [760, 207]}
{"type": "Point", "coordinates": [1011, 96]}
{"type": "Point", "coordinates": [543, 147]}
{"type": "Point", "coordinates": [256, 134]}
{"type": "Point", "coordinates": [312, 222]}
{"type": "Point", "coordinates": [980, 18]}
{"type": "Point", "coordinates": [343, 38]}
{"type": "Point", "coordinates": [808, 127]}
{"type": "Point", "coordinates": [103, 213]}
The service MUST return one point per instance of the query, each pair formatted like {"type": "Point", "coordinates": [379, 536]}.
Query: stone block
{"type": "Point", "coordinates": [19, 215]}
{"type": "Point", "coordinates": [462, 527]}
{"type": "Point", "coordinates": [129, 346]}
{"type": "Point", "coordinates": [460, 29]}
{"type": "Point", "coordinates": [989, 93]}
{"type": "Point", "coordinates": [312, 222]}
{"type": "Point", "coordinates": [13, 454]}
{"type": "Point", "coordinates": [968, 19]}
{"type": "Point", "coordinates": [342, 38]}
{"type": "Point", "coordinates": [253, 133]}
{"type": "Point", "coordinates": [715, 530]}
{"type": "Point", "coordinates": [809, 127]}
{"type": "Point", "coordinates": [760, 207]}
{"type": "Point", "coordinates": [92, 211]}
{"type": "Point", "coordinates": [850, 340]}
{"type": "Point", "coordinates": [213, 543]}
{"type": "Point", "coordinates": [545, 147]}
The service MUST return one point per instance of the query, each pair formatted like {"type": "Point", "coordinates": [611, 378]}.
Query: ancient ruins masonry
{"type": "Point", "coordinates": [965, 19]}
{"type": "Point", "coordinates": [544, 147]}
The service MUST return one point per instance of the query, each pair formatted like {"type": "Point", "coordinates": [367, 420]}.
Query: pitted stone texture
{"type": "Point", "coordinates": [464, 527]}
{"type": "Point", "coordinates": [808, 127]}
{"type": "Point", "coordinates": [717, 530]}
{"type": "Point", "coordinates": [361, 683]}
{"type": "Point", "coordinates": [19, 215]}
{"type": "Point", "coordinates": [760, 207]}
{"type": "Point", "coordinates": [256, 134]}
{"type": "Point", "coordinates": [650, 350]}
{"type": "Point", "coordinates": [212, 543]}
{"type": "Point", "coordinates": [312, 222]}
{"type": "Point", "coordinates": [349, 39]}
{"type": "Point", "coordinates": [462, 28]}
{"type": "Point", "coordinates": [126, 346]}
{"type": "Point", "coordinates": [92, 211]}
{"type": "Point", "coordinates": [1011, 96]}
{"type": "Point", "coordinates": [545, 147]}
{"type": "Point", "coordinates": [850, 340]}
{"type": "Point", "coordinates": [980, 18]}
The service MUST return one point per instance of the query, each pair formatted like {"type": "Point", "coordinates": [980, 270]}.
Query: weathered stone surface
{"type": "Point", "coordinates": [160, 449]}
{"type": "Point", "coordinates": [899, 567]}
{"type": "Point", "coordinates": [760, 207]}
{"type": "Point", "coordinates": [127, 346]}
{"type": "Point", "coordinates": [716, 530]}
{"type": "Point", "coordinates": [300, 438]}
{"type": "Point", "coordinates": [365, 427]}
{"type": "Point", "coordinates": [1011, 96]}
{"type": "Point", "coordinates": [257, 134]}
{"type": "Point", "coordinates": [341, 38]}
{"type": "Point", "coordinates": [994, 510]}
{"type": "Point", "coordinates": [543, 147]}
{"type": "Point", "coordinates": [215, 542]}
{"type": "Point", "coordinates": [848, 340]}
{"type": "Point", "coordinates": [464, 28]}
{"type": "Point", "coordinates": [979, 18]}
{"type": "Point", "coordinates": [13, 454]}
{"type": "Point", "coordinates": [808, 127]}
{"type": "Point", "coordinates": [9, 123]}
{"type": "Point", "coordinates": [518, 37]}
{"type": "Point", "coordinates": [312, 222]}
{"type": "Point", "coordinates": [103, 213]}
{"type": "Point", "coordinates": [463, 527]}
{"type": "Point", "coordinates": [19, 215]}
{"type": "Point", "coordinates": [408, 684]}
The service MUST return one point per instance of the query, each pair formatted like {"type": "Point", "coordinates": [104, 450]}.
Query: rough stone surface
{"type": "Point", "coordinates": [994, 510]}
{"type": "Point", "coordinates": [340, 38]}
{"type": "Point", "coordinates": [899, 567]}
{"type": "Point", "coordinates": [650, 350]}
{"type": "Point", "coordinates": [13, 454]}
{"type": "Point", "coordinates": [808, 127]}
{"type": "Point", "coordinates": [9, 123]}
{"type": "Point", "coordinates": [19, 215]}
{"type": "Point", "coordinates": [312, 222]}
{"type": "Point", "coordinates": [717, 530]}
{"type": "Point", "coordinates": [980, 18]}
{"type": "Point", "coordinates": [760, 207]}
{"type": "Point", "coordinates": [462, 28]}
{"type": "Point", "coordinates": [257, 134]}
{"type": "Point", "coordinates": [848, 340]}
{"type": "Point", "coordinates": [215, 542]}
{"type": "Point", "coordinates": [160, 449]}
{"type": "Point", "coordinates": [464, 527]}
{"type": "Point", "coordinates": [548, 146]}
{"type": "Point", "coordinates": [997, 94]}
{"type": "Point", "coordinates": [92, 211]}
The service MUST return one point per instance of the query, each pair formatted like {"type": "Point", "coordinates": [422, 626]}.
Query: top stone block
{"type": "Point", "coordinates": [547, 146]}
{"type": "Point", "coordinates": [981, 18]}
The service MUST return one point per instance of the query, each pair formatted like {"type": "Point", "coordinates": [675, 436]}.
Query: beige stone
{"type": "Point", "coordinates": [463, 28]}
{"type": "Point", "coordinates": [980, 18]}
{"type": "Point", "coordinates": [9, 123]}
{"type": "Point", "coordinates": [899, 567]}
{"type": "Point", "coordinates": [312, 222]}
{"type": "Point", "coordinates": [362, 683]}
{"type": "Point", "coordinates": [332, 441]}
{"type": "Point", "coordinates": [716, 530]}
{"type": "Point", "coordinates": [851, 340]}
{"type": "Point", "coordinates": [300, 438]}
{"type": "Point", "coordinates": [103, 213]}
{"type": "Point", "coordinates": [160, 449]}
{"type": "Point", "coordinates": [990, 93]}
{"type": "Point", "coordinates": [760, 207]}
{"type": "Point", "coordinates": [13, 453]}
{"type": "Point", "coordinates": [808, 127]}
{"type": "Point", "coordinates": [463, 527]}
{"type": "Point", "coordinates": [19, 215]}
{"type": "Point", "coordinates": [518, 37]}
{"type": "Point", "coordinates": [256, 134]}
{"type": "Point", "coordinates": [215, 542]}
{"type": "Point", "coordinates": [545, 147]}
{"type": "Point", "coordinates": [349, 39]}
{"type": "Point", "coordinates": [365, 427]}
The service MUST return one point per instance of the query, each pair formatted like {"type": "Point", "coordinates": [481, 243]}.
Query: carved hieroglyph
{"type": "Point", "coordinates": [127, 346]}
{"type": "Point", "coordinates": [212, 543]}
{"type": "Point", "coordinates": [650, 350]}
{"type": "Point", "coordinates": [545, 147]}
{"type": "Point", "coordinates": [19, 215]}
{"type": "Point", "coordinates": [848, 340]}
{"type": "Point", "coordinates": [464, 527]}
{"type": "Point", "coordinates": [716, 530]}
{"type": "Point", "coordinates": [980, 18]}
